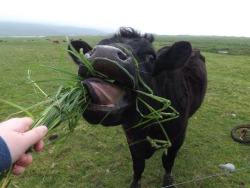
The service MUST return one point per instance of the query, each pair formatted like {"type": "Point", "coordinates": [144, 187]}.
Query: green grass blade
{"type": "Point", "coordinates": [18, 107]}
{"type": "Point", "coordinates": [29, 78]}
{"type": "Point", "coordinates": [73, 75]}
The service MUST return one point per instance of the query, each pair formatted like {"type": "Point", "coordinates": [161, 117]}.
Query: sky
{"type": "Point", "coordinates": [165, 17]}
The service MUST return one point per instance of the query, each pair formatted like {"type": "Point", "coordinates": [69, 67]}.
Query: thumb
{"type": "Point", "coordinates": [34, 135]}
{"type": "Point", "coordinates": [18, 143]}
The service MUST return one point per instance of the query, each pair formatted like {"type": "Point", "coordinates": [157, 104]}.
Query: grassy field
{"type": "Point", "coordinates": [95, 156]}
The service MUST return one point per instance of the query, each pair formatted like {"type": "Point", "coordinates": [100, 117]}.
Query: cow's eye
{"type": "Point", "coordinates": [150, 58]}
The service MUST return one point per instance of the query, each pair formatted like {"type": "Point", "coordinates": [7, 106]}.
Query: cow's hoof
{"type": "Point", "coordinates": [168, 181]}
{"type": "Point", "coordinates": [135, 184]}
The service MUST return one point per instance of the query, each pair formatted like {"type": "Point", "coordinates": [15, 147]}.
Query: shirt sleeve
{"type": "Point", "coordinates": [5, 156]}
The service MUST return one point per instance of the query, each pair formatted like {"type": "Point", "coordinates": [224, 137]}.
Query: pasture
{"type": "Point", "coordinates": [95, 156]}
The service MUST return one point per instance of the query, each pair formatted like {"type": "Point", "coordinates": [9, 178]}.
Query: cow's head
{"type": "Point", "coordinates": [121, 59]}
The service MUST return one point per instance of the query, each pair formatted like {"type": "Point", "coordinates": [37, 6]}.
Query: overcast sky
{"type": "Point", "coordinates": [171, 17]}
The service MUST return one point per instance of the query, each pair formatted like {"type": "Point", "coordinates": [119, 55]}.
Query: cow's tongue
{"type": "Point", "coordinates": [103, 92]}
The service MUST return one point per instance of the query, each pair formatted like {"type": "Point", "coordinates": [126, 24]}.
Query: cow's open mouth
{"type": "Point", "coordinates": [106, 96]}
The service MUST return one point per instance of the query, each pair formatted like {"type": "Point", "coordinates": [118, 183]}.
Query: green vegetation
{"type": "Point", "coordinates": [96, 156]}
{"type": "Point", "coordinates": [224, 45]}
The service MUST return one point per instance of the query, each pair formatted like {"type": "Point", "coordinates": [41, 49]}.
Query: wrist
{"type": "Point", "coordinates": [5, 156]}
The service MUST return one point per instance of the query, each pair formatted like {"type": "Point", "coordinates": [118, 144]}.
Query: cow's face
{"type": "Point", "coordinates": [121, 59]}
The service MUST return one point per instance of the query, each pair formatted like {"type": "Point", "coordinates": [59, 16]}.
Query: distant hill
{"type": "Point", "coordinates": [31, 29]}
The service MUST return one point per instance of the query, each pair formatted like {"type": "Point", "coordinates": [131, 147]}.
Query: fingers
{"type": "Point", "coordinates": [33, 137]}
{"type": "Point", "coordinates": [38, 146]}
{"type": "Point", "coordinates": [24, 161]}
{"type": "Point", "coordinates": [18, 170]}
{"type": "Point", "coordinates": [18, 124]}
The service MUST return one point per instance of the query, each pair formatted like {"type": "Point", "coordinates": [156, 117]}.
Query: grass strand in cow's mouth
{"type": "Point", "coordinates": [158, 114]}
{"type": "Point", "coordinates": [137, 73]}
{"type": "Point", "coordinates": [159, 117]}
{"type": "Point", "coordinates": [83, 59]}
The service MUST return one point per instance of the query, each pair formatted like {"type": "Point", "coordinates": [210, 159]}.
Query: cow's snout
{"type": "Point", "coordinates": [114, 63]}
{"type": "Point", "coordinates": [109, 52]}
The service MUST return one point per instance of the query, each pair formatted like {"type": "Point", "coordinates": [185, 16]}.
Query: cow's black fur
{"type": "Point", "coordinates": [174, 72]}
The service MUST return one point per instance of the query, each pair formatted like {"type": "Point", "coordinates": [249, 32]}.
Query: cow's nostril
{"type": "Point", "coordinates": [90, 53]}
{"type": "Point", "coordinates": [122, 56]}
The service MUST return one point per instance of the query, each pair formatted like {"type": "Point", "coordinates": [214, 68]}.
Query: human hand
{"type": "Point", "coordinates": [16, 134]}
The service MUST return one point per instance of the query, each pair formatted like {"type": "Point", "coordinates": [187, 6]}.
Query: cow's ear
{"type": "Point", "coordinates": [173, 57]}
{"type": "Point", "coordinates": [77, 45]}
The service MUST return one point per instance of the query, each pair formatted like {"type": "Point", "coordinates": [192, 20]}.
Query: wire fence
{"type": "Point", "coordinates": [207, 177]}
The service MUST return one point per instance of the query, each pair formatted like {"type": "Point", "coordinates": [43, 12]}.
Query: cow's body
{"type": "Point", "coordinates": [176, 73]}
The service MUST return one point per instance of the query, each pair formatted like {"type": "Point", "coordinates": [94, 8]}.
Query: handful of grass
{"type": "Point", "coordinates": [66, 105]}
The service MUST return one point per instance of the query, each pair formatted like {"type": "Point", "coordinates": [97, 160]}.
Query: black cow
{"type": "Point", "coordinates": [176, 73]}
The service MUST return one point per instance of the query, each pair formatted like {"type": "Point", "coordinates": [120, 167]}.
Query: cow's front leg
{"type": "Point", "coordinates": [138, 167]}
{"type": "Point", "coordinates": [168, 162]}
{"type": "Point", "coordinates": [168, 181]}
